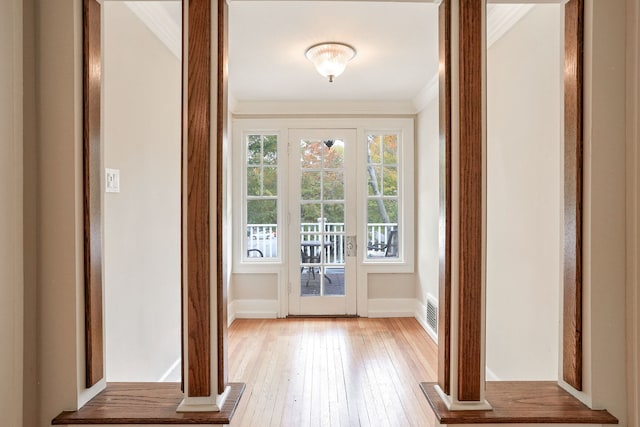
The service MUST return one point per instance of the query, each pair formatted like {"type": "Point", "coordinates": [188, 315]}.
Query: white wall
{"type": "Point", "coordinates": [427, 202]}
{"type": "Point", "coordinates": [11, 240]}
{"type": "Point", "coordinates": [60, 299]}
{"type": "Point", "coordinates": [523, 200]}
{"type": "Point", "coordinates": [142, 99]}
{"type": "Point", "coordinates": [604, 218]}
{"type": "Point", "coordinates": [633, 212]}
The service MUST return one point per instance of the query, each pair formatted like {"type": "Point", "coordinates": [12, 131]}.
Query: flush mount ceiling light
{"type": "Point", "coordinates": [330, 58]}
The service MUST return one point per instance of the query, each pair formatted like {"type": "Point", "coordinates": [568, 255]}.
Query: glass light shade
{"type": "Point", "coordinates": [330, 59]}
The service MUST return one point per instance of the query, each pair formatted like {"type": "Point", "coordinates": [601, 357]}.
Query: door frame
{"type": "Point", "coordinates": [401, 123]}
{"type": "Point", "coordinates": [299, 305]}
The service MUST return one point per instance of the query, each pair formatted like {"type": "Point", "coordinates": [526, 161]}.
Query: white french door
{"type": "Point", "coordinates": [322, 221]}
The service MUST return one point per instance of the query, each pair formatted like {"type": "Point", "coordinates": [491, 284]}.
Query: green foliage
{"type": "Point", "coordinates": [262, 179]}
{"type": "Point", "coordinates": [382, 171]}
{"type": "Point", "coordinates": [322, 180]}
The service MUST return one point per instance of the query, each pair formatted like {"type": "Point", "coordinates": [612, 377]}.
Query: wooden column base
{"type": "Point", "coordinates": [520, 402]}
{"type": "Point", "coordinates": [146, 403]}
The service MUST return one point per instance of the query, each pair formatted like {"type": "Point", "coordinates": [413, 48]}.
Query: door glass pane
{"type": "Point", "coordinates": [333, 185]}
{"type": "Point", "coordinates": [322, 218]}
{"type": "Point", "coordinates": [310, 186]}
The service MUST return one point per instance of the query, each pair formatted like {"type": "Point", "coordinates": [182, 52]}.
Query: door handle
{"type": "Point", "coordinates": [351, 246]}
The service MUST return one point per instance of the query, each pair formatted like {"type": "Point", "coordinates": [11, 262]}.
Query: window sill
{"type": "Point", "coordinates": [520, 402]}
{"type": "Point", "coordinates": [146, 403]}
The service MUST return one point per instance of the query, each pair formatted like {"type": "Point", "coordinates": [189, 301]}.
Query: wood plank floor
{"type": "Point", "coordinates": [331, 372]}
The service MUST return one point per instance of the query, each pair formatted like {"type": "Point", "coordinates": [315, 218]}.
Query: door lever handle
{"type": "Point", "coordinates": [351, 246]}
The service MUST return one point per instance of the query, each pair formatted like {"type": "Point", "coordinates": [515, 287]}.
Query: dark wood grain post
{"type": "Point", "coordinates": [462, 152]}
{"type": "Point", "coordinates": [221, 140]}
{"type": "Point", "coordinates": [471, 112]}
{"type": "Point", "coordinates": [573, 176]}
{"type": "Point", "coordinates": [444, 286]}
{"type": "Point", "coordinates": [92, 69]}
{"type": "Point", "coordinates": [198, 265]}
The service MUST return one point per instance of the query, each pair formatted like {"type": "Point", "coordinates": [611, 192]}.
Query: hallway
{"type": "Point", "coordinates": [331, 372]}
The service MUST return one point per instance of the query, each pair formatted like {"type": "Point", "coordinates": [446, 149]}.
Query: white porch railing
{"type": "Point", "coordinates": [264, 237]}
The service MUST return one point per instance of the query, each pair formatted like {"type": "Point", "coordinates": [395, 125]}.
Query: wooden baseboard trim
{"type": "Point", "coordinates": [520, 402]}
{"type": "Point", "coordinates": [146, 403]}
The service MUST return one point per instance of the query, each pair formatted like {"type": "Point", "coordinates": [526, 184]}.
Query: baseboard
{"type": "Point", "coordinates": [252, 309]}
{"type": "Point", "coordinates": [490, 375]}
{"type": "Point", "coordinates": [391, 307]}
{"type": "Point", "coordinates": [421, 317]}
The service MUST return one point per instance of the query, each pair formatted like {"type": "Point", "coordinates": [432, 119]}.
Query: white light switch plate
{"type": "Point", "coordinates": [112, 177]}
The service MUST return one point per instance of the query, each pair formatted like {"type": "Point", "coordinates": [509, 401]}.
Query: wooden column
{"type": "Point", "coordinates": [463, 153]}
{"type": "Point", "coordinates": [221, 140]}
{"type": "Point", "coordinates": [472, 110]}
{"type": "Point", "coordinates": [94, 343]}
{"type": "Point", "coordinates": [444, 286]}
{"type": "Point", "coordinates": [204, 130]}
{"type": "Point", "coordinates": [573, 176]}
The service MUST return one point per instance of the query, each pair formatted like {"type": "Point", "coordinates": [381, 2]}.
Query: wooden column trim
{"type": "Point", "coordinates": [573, 196]}
{"type": "Point", "coordinates": [94, 343]}
{"type": "Point", "coordinates": [470, 326]}
{"type": "Point", "coordinates": [198, 192]}
{"type": "Point", "coordinates": [221, 140]}
{"type": "Point", "coordinates": [444, 291]}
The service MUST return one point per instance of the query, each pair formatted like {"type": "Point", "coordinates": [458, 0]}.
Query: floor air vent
{"type": "Point", "coordinates": [432, 315]}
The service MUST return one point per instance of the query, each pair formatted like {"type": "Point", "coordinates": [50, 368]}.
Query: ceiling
{"type": "Point", "coordinates": [396, 47]}
{"type": "Point", "coordinates": [396, 41]}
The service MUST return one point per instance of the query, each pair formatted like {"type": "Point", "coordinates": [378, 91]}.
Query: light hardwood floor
{"type": "Point", "coordinates": [331, 372]}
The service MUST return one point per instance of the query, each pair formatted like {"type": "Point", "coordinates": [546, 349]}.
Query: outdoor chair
{"type": "Point", "coordinates": [390, 247]}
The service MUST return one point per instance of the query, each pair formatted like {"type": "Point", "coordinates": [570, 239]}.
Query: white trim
{"type": "Point", "coordinates": [392, 307]}
{"type": "Point", "coordinates": [318, 108]}
{"type": "Point", "coordinates": [633, 213]}
{"type": "Point", "coordinates": [501, 19]}
{"type": "Point", "coordinates": [168, 372]}
{"type": "Point", "coordinates": [204, 404]}
{"type": "Point", "coordinates": [455, 192]}
{"type": "Point", "coordinates": [427, 94]}
{"type": "Point", "coordinates": [455, 405]}
{"type": "Point", "coordinates": [490, 375]}
{"type": "Point", "coordinates": [420, 311]}
{"type": "Point", "coordinates": [437, 424]}
{"type": "Point", "coordinates": [253, 309]}
{"type": "Point", "coordinates": [160, 23]}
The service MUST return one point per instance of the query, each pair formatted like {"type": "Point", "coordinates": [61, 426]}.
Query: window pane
{"type": "Point", "coordinates": [374, 177]}
{"type": "Point", "coordinates": [270, 181]}
{"type": "Point", "coordinates": [333, 183]}
{"type": "Point", "coordinates": [391, 207]}
{"type": "Point", "coordinates": [262, 212]}
{"type": "Point", "coordinates": [253, 182]}
{"type": "Point", "coordinates": [311, 154]}
{"type": "Point", "coordinates": [310, 213]}
{"type": "Point", "coordinates": [270, 149]}
{"type": "Point", "coordinates": [374, 150]}
{"type": "Point", "coordinates": [334, 213]}
{"type": "Point", "coordinates": [334, 155]}
{"type": "Point", "coordinates": [254, 152]}
{"type": "Point", "coordinates": [390, 181]}
{"type": "Point", "coordinates": [390, 147]}
{"type": "Point", "coordinates": [310, 186]}
{"type": "Point", "coordinates": [261, 192]}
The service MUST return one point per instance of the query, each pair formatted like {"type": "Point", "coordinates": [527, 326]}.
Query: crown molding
{"type": "Point", "coordinates": [160, 23]}
{"type": "Point", "coordinates": [499, 21]}
{"type": "Point", "coordinates": [322, 108]}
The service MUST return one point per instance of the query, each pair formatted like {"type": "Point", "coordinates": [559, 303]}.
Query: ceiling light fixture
{"type": "Point", "coordinates": [330, 58]}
